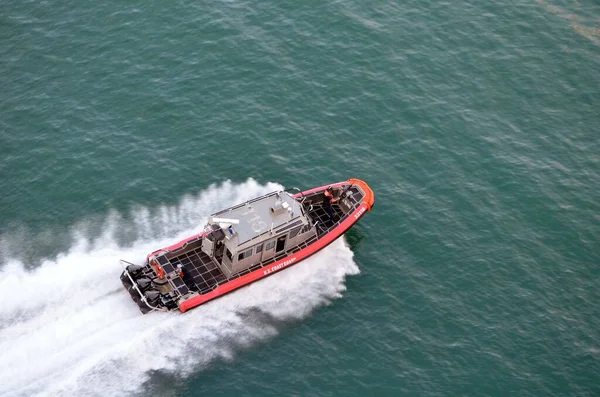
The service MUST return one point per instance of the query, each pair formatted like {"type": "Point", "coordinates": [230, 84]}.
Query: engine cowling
{"type": "Point", "coordinates": [152, 297]}
{"type": "Point", "coordinates": [144, 283]}
{"type": "Point", "coordinates": [134, 270]}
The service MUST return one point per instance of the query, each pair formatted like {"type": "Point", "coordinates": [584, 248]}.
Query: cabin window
{"type": "Point", "coordinates": [259, 248]}
{"type": "Point", "coordinates": [228, 253]}
{"type": "Point", "coordinates": [270, 245]}
{"type": "Point", "coordinates": [304, 229]}
{"type": "Point", "coordinates": [245, 254]}
{"type": "Point", "coordinates": [294, 232]}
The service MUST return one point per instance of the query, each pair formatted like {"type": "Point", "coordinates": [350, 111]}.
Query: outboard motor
{"type": "Point", "coordinates": [152, 297]}
{"type": "Point", "coordinates": [144, 283]}
{"type": "Point", "coordinates": [134, 270]}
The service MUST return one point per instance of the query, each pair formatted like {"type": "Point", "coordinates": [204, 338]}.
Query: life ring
{"type": "Point", "coordinates": [159, 270]}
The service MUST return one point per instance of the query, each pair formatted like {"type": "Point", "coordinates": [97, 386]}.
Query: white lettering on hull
{"type": "Point", "coordinates": [280, 266]}
{"type": "Point", "coordinates": [359, 213]}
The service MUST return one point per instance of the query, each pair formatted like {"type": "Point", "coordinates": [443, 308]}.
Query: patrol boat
{"type": "Point", "coordinates": [244, 243]}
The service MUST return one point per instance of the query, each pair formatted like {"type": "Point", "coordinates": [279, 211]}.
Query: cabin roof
{"type": "Point", "coordinates": [256, 217]}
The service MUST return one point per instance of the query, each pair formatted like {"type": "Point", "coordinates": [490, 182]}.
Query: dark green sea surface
{"type": "Point", "coordinates": [477, 124]}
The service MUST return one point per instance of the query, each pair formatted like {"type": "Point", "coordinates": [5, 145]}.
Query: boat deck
{"type": "Point", "coordinates": [325, 223]}
{"type": "Point", "coordinates": [202, 275]}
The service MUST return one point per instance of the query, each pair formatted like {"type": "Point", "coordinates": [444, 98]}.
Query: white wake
{"type": "Point", "coordinates": [68, 328]}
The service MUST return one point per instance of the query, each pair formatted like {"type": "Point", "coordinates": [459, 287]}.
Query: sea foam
{"type": "Point", "coordinates": [69, 328]}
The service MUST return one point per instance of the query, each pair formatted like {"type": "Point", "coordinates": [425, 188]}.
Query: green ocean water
{"type": "Point", "coordinates": [124, 124]}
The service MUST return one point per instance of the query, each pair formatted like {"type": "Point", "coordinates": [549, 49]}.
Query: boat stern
{"type": "Point", "coordinates": [145, 288]}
